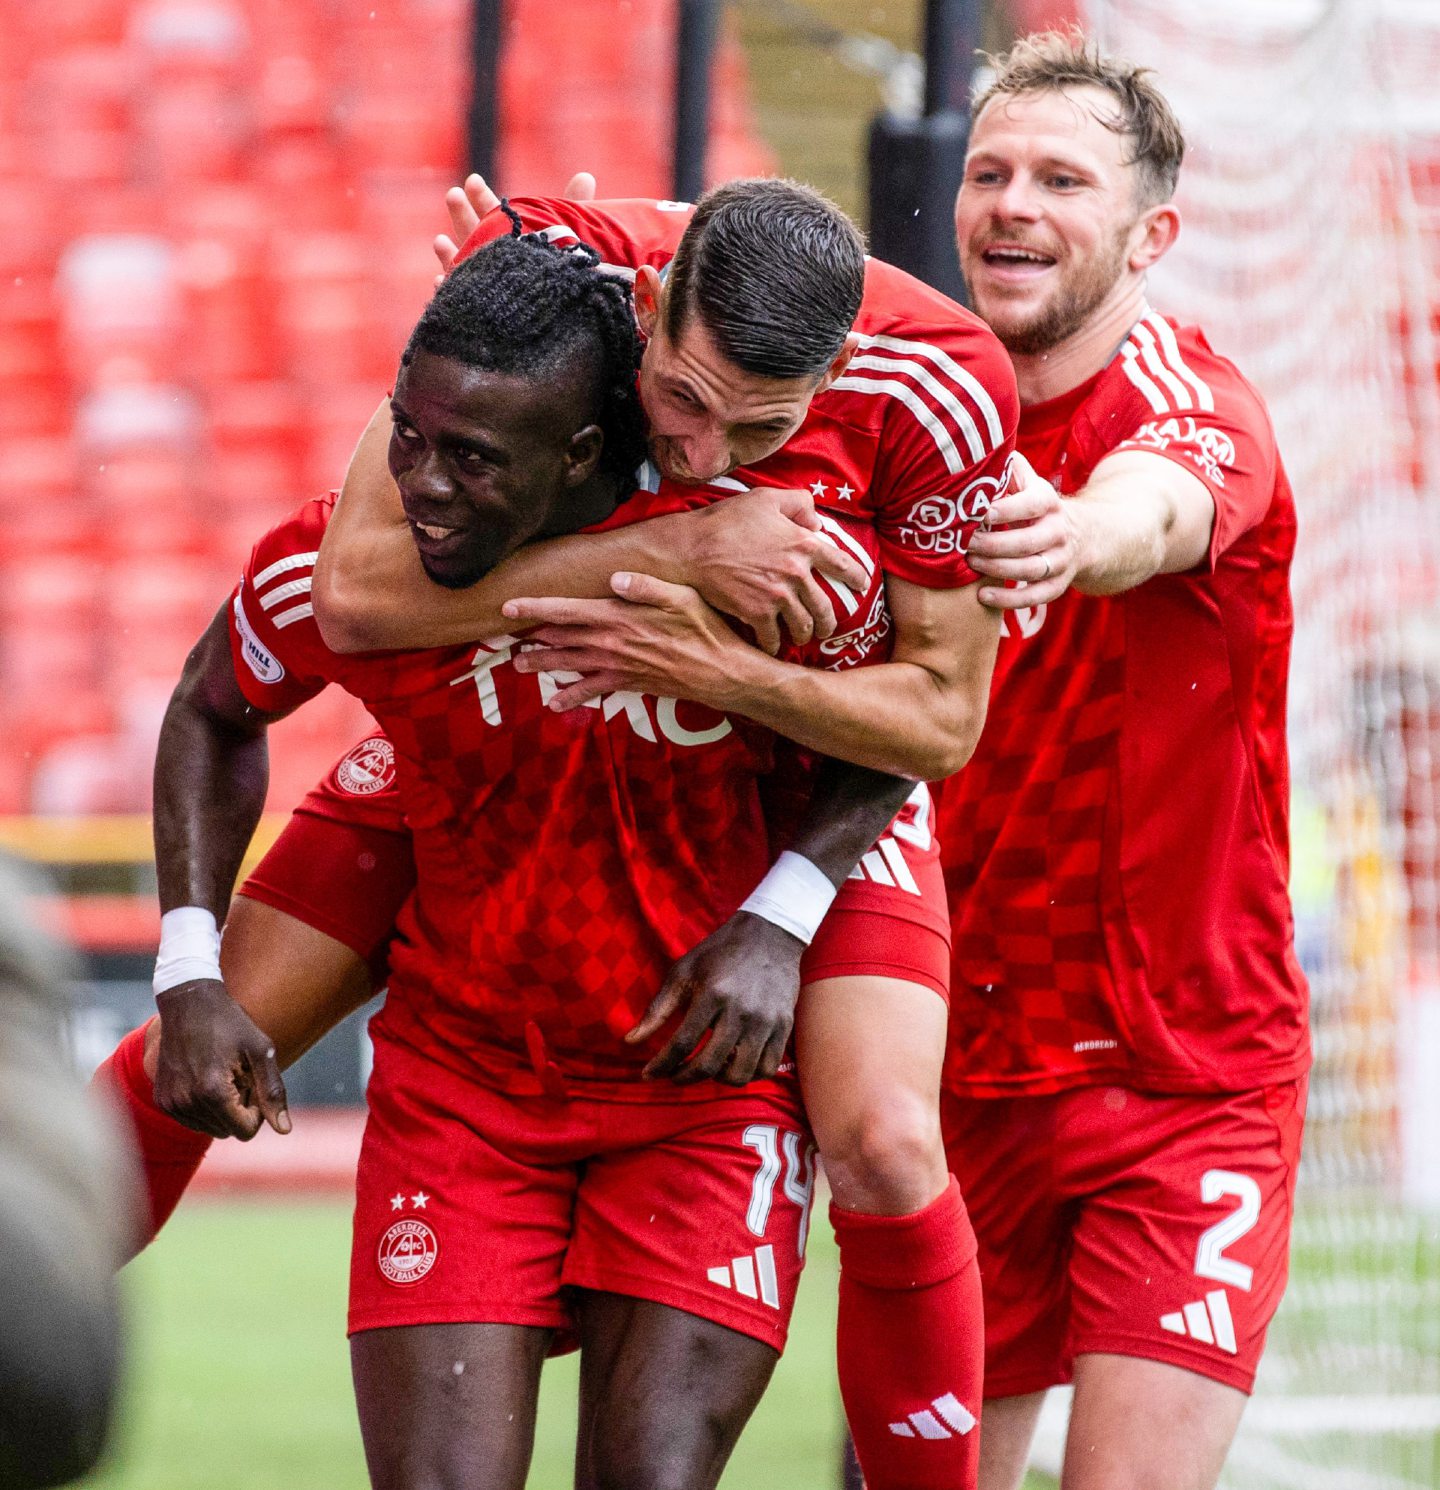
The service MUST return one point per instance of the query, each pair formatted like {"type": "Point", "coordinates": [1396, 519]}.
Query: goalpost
{"type": "Point", "coordinates": [1311, 255]}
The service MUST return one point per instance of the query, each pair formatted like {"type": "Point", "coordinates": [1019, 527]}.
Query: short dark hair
{"type": "Point", "coordinates": [775, 273]}
{"type": "Point", "coordinates": [1051, 61]}
{"type": "Point", "coordinates": [522, 306]}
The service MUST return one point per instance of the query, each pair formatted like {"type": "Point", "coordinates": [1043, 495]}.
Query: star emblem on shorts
{"type": "Point", "coordinates": [420, 1200]}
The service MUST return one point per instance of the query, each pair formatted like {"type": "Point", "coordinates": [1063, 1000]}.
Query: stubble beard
{"type": "Point", "coordinates": [1068, 308]}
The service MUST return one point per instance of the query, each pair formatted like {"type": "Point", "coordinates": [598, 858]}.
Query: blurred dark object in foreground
{"type": "Point", "coordinates": [65, 1204]}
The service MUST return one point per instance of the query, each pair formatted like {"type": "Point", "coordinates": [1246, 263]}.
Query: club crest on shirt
{"type": "Point", "coordinates": [407, 1251]}
{"type": "Point", "coordinates": [367, 769]}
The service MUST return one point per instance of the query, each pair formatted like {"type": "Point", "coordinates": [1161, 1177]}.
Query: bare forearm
{"type": "Point", "coordinates": [896, 717]}
{"type": "Point", "coordinates": [210, 784]}
{"type": "Point", "coordinates": [850, 808]}
{"type": "Point", "coordinates": [1121, 544]}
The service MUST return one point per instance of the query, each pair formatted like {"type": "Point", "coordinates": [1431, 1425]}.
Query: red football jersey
{"type": "Point", "coordinates": [564, 861]}
{"type": "Point", "coordinates": [1117, 849]}
{"type": "Point", "coordinates": [912, 441]}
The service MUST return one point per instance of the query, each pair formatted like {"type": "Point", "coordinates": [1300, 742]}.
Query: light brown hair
{"type": "Point", "coordinates": [1054, 60]}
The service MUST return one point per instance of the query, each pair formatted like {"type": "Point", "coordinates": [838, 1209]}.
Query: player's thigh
{"type": "Point", "coordinates": [294, 981]}
{"type": "Point", "coordinates": [1147, 1425]}
{"type": "Point", "coordinates": [869, 1051]}
{"type": "Point", "coordinates": [664, 1394]}
{"type": "Point", "coordinates": [1007, 1429]}
{"type": "Point", "coordinates": [448, 1406]}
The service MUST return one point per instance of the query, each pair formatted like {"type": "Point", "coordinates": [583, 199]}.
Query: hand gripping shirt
{"type": "Point", "coordinates": [1117, 850]}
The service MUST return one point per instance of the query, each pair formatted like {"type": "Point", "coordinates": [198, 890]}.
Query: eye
{"type": "Point", "coordinates": [405, 432]}
{"type": "Point", "coordinates": [986, 176]}
{"type": "Point", "coordinates": [684, 399]}
{"type": "Point", "coordinates": [1063, 182]}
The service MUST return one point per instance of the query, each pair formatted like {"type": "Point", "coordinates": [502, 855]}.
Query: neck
{"type": "Point", "coordinates": [1042, 376]}
{"type": "Point", "coordinates": [591, 502]}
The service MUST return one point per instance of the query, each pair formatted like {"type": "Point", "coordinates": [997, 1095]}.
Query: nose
{"type": "Point", "coordinates": [1018, 201]}
{"type": "Point", "coordinates": [707, 452]}
{"type": "Point", "coordinates": [426, 477]}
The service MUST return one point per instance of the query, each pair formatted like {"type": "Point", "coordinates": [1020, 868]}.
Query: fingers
{"type": "Point", "coordinates": [712, 1060]}
{"type": "Point", "coordinates": [587, 690]}
{"type": "Point", "coordinates": [581, 187]}
{"type": "Point", "coordinates": [750, 1050]}
{"type": "Point", "coordinates": [839, 567]}
{"type": "Point", "coordinates": [767, 633]}
{"type": "Point", "coordinates": [1022, 596]}
{"type": "Point", "coordinates": [556, 610]}
{"type": "Point", "coordinates": [818, 607]}
{"type": "Point", "coordinates": [682, 1043]}
{"type": "Point", "coordinates": [798, 506]}
{"type": "Point", "coordinates": [480, 201]}
{"type": "Point", "coordinates": [268, 1090]}
{"type": "Point", "coordinates": [662, 1006]}
{"type": "Point", "coordinates": [645, 589]}
{"type": "Point", "coordinates": [446, 251]}
{"type": "Point", "coordinates": [798, 621]}
{"type": "Point", "coordinates": [773, 1054]}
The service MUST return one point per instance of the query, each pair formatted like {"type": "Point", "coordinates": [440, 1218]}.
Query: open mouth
{"type": "Point", "coordinates": [1017, 259]}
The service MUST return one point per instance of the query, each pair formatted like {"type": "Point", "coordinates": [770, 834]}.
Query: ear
{"type": "Point", "coordinates": [1154, 235]}
{"type": "Point", "coordinates": [582, 455]}
{"type": "Point", "coordinates": [649, 298]}
{"type": "Point", "coordinates": [841, 362]}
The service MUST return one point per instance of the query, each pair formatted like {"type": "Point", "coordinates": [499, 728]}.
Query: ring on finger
{"type": "Point", "coordinates": [1046, 575]}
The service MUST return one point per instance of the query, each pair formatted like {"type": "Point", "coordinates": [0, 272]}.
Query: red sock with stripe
{"type": "Point", "coordinates": [169, 1152]}
{"type": "Point", "coordinates": [911, 1344]}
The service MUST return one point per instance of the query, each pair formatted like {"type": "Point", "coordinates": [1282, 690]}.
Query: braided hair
{"type": "Point", "coordinates": [522, 306]}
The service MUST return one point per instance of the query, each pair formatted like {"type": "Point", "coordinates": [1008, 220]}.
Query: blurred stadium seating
{"type": "Point", "coordinates": [215, 219]}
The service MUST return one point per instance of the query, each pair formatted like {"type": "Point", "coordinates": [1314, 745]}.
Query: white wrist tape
{"type": "Point", "coordinates": [189, 948]}
{"type": "Point", "coordinates": [794, 895]}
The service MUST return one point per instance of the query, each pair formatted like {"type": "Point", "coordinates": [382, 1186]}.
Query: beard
{"type": "Point", "coordinates": [1070, 305]}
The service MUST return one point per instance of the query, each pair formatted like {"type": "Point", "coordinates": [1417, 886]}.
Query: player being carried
{"type": "Point", "coordinates": [916, 427]}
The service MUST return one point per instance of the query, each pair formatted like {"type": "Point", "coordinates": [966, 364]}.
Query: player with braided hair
{"type": "Point", "coordinates": [559, 871]}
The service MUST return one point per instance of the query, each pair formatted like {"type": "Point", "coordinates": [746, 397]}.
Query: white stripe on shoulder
{"type": "Point", "coordinates": [966, 380]}
{"type": "Point", "coordinates": [869, 362]}
{"type": "Point", "coordinates": [560, 233]}
{"type": "Point", "coordinates": [289, 617]}
{"type": "Point", "coordinates": [1130, 360]}
{"type": "Point", "coordinates": [837, 534]}
{"type": "Point", "coordinates": [284, 566]}
{"type": "Point", "coordinates": [287, 591]}
{"type": "Point", "coordinates": [922, 411]}
{"type": "Point", "coordinates": [1170, 347]}
{"type": "Point", "coordinates": [1179, 394]}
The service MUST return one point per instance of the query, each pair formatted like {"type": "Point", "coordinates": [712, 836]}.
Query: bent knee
{"type": "Point", "coordinates": [889, 1160]}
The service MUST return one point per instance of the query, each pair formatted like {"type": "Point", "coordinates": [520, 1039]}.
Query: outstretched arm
{"type": "Point", "coordinates": [1138, 516]}
{"type": "Point", "coordinates": [751, 555]}
{"type": "Point", "coordinates": [918, 715]}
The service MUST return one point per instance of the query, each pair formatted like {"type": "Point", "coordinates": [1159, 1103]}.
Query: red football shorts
{"type": "Point", "coordinates": [1127, 1223]}
{"type": "Point", "coordinates": [343, 864]}
{"type": "Point", "coordinates": [477, 1207]}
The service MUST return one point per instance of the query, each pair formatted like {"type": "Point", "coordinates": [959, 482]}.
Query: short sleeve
{"type": "Point", "coordinates": [1195, 409]}
{"type": "Point", "coordinates": [280, 659]}
{"type": "Point", "coordinates": [946, 446]}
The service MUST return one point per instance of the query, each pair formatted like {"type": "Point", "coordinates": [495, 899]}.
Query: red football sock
{"type": "Point", "coordinates": [169, 1152]}
{"type": "Point", "coordinates": [911, 1344]}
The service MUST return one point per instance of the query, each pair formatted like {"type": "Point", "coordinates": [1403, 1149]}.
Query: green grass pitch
{"type": "Point", "coordinates": [239, 1374]}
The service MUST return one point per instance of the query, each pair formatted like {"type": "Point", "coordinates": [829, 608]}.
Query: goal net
{"type": "Point", "coordinates": [1311, 255]}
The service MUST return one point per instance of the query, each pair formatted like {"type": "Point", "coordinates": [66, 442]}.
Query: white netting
{"type": "Point", "coordinates": [1311, 255]}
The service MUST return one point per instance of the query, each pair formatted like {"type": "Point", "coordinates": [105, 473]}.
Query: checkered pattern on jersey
{"type": "Point", "coordinates": [1023, 828]}
{"type": "Point", "coordinates": [564, 861]}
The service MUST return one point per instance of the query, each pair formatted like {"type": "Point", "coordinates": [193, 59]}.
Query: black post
{"type": "Point", "coordinates": [916, 164]}
{"type": "Point", "coordinates": [694, 56]}
{"type": "Point", "coordinates": [481, 129]}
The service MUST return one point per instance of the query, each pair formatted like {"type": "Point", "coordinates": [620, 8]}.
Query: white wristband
{"type": "Point", "coordinates": [189, 948]}
{"type": "Point", "coordinates": [794, 895]}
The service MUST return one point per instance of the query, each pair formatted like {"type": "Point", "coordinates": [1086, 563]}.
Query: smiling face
{"type": "Point", "coordinates": [1047, 222]}
{"type": "Point", "coordinates": [486, 460]}
{"type": "Point", "coordinates": [706, 415]}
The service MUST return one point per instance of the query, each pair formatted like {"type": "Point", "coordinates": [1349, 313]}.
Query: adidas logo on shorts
{"type": "Point", "coordinates": [1209, 1322]}
{"type": "Point", "coordinates": [744, 1274]}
